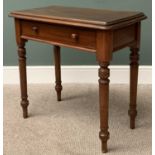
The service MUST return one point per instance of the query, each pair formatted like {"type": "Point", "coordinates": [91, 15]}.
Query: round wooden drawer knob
{"type": "Point", "coordinates": [35, 29]}
{"type": "Point", "coordinates": [74, 36]}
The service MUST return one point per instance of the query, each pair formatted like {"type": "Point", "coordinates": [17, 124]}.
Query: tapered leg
{"type": "Point", "coordinates": [104, 103]}
{"type": "Point", "coordinates": [23, 77]}
{"type": "Point", "coordinates": [57, 60]}
{"type": "Point", "coordinates": [134, 57]}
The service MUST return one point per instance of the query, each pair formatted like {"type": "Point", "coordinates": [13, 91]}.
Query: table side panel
{"type": "Point", "coordinates": [124, 36]}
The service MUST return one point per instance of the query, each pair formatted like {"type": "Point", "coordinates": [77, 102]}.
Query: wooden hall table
{"type": "Point", "coordinates": [93, 30]}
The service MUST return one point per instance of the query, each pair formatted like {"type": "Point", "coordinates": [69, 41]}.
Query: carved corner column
{"type": "Point", "coordinates": [23, 76]}
{"type": "Point", "coordinates": [104, 103]}
{"type": "Point", "coordinates": [134, 57]}
{"type": "Point", "coordinates": [57, 60]}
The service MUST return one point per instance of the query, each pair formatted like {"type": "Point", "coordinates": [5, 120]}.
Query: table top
{"type": "Point", "coordinates": [96, 18]}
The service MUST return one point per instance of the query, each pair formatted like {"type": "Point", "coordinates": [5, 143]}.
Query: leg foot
{"type": "Point", "coordinates": [58, 89]}
{"type": "Point", "coordinates": [104, 147]}
{"type": "Point", "coordinates": [132, 113]}
{"type": "Point", "coordinates": [104, 136]}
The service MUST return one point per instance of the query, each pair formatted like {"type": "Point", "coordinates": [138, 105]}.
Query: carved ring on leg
{"type": "Point", "coordinates": [24, 104]}
{"type": "Point", "coordinates": [58, 89]}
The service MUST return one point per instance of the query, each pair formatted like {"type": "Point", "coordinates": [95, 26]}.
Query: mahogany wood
{"type": "Point", "coordinates": [57, 60]}
{"type": "Point", "coordinates": [80, 37]}
{"type": "Point", "coordinates": [134, 58]}
{"type": "Point", "coordinates": [124, 36]}
{"type": "Point", "coordinates": [23, 77]}
{"type": "Point", "coordinates": [22, 69]}
{"type": "Point", "coordinates": [85, 17]}
{"type": "Point", "coordinates": [100, 31]}
{"type": "Point", "coordinates": [104, 45]}
{"type": "Point", "coordinates": [104, 74]}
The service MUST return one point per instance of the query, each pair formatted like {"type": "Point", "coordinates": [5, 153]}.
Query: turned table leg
{"type": "Point", "coordinates": [57, 60]}
{"type": "Point", "coordinates": [23, 77]}
{"type": "Point", "coordinates": [104, 103]}
{"type": "Point", "coordinates": [134, 57]}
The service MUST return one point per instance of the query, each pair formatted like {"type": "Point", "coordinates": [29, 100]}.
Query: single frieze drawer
{"type": "Point", "coordinates": [68, 35]}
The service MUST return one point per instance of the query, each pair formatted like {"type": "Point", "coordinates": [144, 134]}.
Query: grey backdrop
{"type": "Point", "coordinates": [41, 54]}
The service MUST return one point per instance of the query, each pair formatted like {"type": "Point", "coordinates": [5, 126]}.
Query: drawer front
{"type": "Point", "coordinates": [68, 35]}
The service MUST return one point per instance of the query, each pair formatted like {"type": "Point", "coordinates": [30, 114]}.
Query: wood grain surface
{"type": "Point", "coordinates": [94, 18]}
